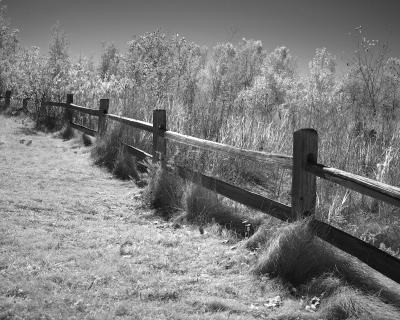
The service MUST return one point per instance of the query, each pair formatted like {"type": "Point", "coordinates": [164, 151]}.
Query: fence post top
{"type": "Point", "coordinates": [70, 98]}
{"type": "Point", "coordinates": [104, 105]}
{"type": "Point", "coordinates": [306, 130]}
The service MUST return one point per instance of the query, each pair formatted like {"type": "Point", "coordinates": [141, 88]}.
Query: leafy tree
{"type": "Point", "coordinates": [273, 87]}
{"type": "Point", "coordinates": [321, 89]}
{"type": "Point", "coordinates": [58, 61]}
{"type": "Point", "coordinates": [109, 61]}
{"type": "Point", "coordinates": [372, 87]}
{"type": "Point", "coordinates": [8, 49]}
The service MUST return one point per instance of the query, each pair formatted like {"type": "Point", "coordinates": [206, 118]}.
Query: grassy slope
{"type": "Point", "coordinates": [62, 225]}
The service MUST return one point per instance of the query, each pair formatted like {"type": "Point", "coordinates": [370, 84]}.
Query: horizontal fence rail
{"type": "Point", "coordinates": [369, 187]}
{"type": "Point", "coordinates": [74, 107]}
{"type": "Point", "coordinates": [304, 165]}
{"type": "Point", "coordinates": [248, 198]}
{"type": "Point", "coordinates": [139, 154]}
{"type": "Point", "coordinates": [131, 122]}
{"type": "Point", "coordinates": [282, 160]}
{"type": "Point", "coordinates": [84, 129]}
{"type": "Point", "coordinates": [372, 256]}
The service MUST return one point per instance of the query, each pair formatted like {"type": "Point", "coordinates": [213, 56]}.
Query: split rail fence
{"type": "Point", "coordinates": [304, 165]}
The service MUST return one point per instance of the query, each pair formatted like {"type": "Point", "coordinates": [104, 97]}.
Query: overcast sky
{"type": "Point", "coordinates": [300, 25]}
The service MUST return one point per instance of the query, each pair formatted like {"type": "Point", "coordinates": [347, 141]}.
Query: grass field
{"type": "Point", "coordinates": [64, 223]}
{"type": "Point", "coordinates": [76, 243]}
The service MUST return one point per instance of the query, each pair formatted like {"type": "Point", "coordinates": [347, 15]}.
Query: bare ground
{"type": "Point", "coordinates": [64, 224]}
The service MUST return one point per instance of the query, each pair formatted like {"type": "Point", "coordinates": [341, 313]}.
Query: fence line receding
{"type": "Point", "coordinates": [304, 165]}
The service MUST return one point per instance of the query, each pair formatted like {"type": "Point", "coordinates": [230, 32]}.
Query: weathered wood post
{"type": "Point", "coordinates": [304, 187]}
{"type": "Point", "coordinates": [102, 123]}
{"type": "Point", "coordinates": [7, 99]}
{"type": "Point", "coordinates": [67, 111]}
{"type": "Point", "coordinates": [25, 104]}
{"type": "Point", "coordinates": [159, 143]}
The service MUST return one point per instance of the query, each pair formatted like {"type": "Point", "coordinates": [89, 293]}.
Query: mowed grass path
{"type": "Point", "coordinates": [62, 223]}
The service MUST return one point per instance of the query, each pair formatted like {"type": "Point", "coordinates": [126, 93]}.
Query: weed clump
{"type": "Point", "coordinates": [200, 204]}
{"type": "Point", "coordinates": [164, 191]}
{"type": "Point", "coordinates": [107, 148]}
{"type": "Point", "coordinates": [343, 287]}
{"type": "Point", "coordinates": [87, 140]}
{"type": "Point", "coordinates": [107, 153]}
{"type": "Point", "coordinates": [125, 166]}
{"type": "Point", "coordinates": [294, 254]}
{"type": "Point", "coordinates": [261, 236]}
{"type": "Point", "coordinates": [67, 133]}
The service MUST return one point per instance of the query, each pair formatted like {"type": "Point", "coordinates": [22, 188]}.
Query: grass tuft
{"type": "Point", "coordinates": [87, 140]}
{"type": "Point", "coordinates": [164, 191]}
{"type": "Point", "coordinates": [107, 148]}
{"type": "Point", "coordinates": [349, 303]}
{"type": "Point", "coordinates": [67, 133]}
{"type": "Point", "coordinates": [125, 166]}
{"type": "Point", "coordinates": [296, 256]}
{"type": "Point", "coordinates": [202, 206]}
{"type": "Point", "coordinates": [108, 153]}
{"type": "Point", "coordinates": [262, 235]}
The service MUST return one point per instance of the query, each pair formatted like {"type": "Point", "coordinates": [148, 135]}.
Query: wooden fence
{"type": "Point", "coordinates": [304, 165]}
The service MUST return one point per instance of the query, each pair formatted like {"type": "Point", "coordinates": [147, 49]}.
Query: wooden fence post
{"type": "Point", "coordinates": [159, 143]}
{"type": "Point", "coordinates": [25, 105]}
{"type": "Point", "coordinates": [68, 112]}
{"type": "Point", "coordinates": [7, 99]}
{"type": "Point", "coordinates": [304, 187]}
{"type": "Point", "coordinates": [102, 122]}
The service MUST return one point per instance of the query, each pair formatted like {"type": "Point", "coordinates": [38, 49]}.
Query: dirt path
{"type": "Point", "coordinates": [62, 224]}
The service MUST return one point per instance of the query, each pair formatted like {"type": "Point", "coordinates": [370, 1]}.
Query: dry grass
{"type": "Point", "coordinates": [107, 148]}
{"type": "Point", "coordinates": [77, 244]}
{"type": "Point", "coordinates": [61, 234]}
{"type": "Point", "coordinates": [67, 133]}
{"type": "Point", "coordinates": [351, 290]}
{"type": "Point", "coordinates": [295, 255]}
{"type": "Point", "coordinates": [87, 140]}
{"type": "Point", "coordinates": [125, 166]}
{"type": "Point", "coordinates": [164, 191]}
{"type": "Point", "coordinates": [202, 206]}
